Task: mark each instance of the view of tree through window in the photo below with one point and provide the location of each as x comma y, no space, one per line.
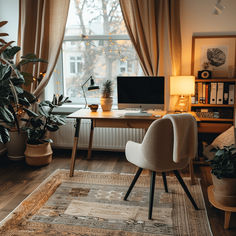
96,43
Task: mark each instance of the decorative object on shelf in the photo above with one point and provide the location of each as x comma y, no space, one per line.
205,73
93,107
218,52
183,86
224,175
92,86
106,99
38,126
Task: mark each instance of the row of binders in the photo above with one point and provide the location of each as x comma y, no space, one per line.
214,93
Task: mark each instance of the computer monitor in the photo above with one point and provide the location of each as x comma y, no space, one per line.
143,92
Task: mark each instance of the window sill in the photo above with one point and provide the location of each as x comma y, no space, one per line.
67,109
70,108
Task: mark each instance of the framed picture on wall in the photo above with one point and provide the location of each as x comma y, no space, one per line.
215,54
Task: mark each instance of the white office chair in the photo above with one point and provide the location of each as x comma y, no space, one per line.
168,145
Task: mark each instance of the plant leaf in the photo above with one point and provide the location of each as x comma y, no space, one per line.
30,113
2,23
4,135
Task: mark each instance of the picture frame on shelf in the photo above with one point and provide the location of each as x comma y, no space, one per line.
215,54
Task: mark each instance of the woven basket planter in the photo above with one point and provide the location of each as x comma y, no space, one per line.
38,155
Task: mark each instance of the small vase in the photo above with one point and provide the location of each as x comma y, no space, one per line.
38,155
106,103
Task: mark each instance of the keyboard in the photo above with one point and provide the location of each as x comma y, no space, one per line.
137,114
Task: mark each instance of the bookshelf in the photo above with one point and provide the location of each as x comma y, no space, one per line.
215,117
214,114
221,115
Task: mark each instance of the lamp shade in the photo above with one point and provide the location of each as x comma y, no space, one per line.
182,85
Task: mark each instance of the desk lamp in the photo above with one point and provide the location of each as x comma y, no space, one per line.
91,87
183,86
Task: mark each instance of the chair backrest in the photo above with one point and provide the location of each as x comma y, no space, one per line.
157,146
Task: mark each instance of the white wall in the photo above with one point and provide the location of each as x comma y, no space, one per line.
9,11
197,18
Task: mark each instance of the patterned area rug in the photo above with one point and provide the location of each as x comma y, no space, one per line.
91,203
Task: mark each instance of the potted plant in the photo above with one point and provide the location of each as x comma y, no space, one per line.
106,99
13,98
224,175
38,125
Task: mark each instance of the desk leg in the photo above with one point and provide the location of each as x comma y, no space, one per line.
90,139
191,171
76,138
227,219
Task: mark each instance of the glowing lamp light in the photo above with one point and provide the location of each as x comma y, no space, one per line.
183,86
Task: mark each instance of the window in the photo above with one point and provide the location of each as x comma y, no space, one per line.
75,65
96,43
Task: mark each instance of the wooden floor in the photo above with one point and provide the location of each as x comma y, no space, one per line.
17,180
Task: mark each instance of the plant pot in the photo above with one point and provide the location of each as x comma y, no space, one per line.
38,155
224,190
106,103
16,146
3,149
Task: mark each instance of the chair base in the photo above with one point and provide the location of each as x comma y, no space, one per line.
152,188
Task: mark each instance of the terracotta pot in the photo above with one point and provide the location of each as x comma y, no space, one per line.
38,155
106,103
16,146
224,190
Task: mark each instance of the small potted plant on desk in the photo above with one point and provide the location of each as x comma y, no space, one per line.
224,176
106,99
38,148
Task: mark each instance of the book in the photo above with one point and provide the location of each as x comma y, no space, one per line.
206,98
203,92
196,93
200,96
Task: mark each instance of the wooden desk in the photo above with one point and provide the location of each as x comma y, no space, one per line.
112,119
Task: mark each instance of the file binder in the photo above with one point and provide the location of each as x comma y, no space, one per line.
231,93
213,93
226,94
220,91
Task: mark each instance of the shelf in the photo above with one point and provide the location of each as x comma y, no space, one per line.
216,80
216,119
212,105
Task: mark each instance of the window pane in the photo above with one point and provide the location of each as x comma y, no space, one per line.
101,48
72,67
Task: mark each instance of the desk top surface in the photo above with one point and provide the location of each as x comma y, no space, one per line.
116,114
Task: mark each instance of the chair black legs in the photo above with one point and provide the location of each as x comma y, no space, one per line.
133,183
185,189
164,181
152,188
151,194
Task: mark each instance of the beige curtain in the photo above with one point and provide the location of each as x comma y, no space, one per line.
154,29
41,31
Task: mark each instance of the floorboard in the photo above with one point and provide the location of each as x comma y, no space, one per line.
17,180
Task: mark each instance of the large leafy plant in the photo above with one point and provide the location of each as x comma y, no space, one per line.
44,121
14,100
224,163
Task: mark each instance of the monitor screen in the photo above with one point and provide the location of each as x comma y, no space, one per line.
143,92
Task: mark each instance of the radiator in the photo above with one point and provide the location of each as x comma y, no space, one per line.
112,139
